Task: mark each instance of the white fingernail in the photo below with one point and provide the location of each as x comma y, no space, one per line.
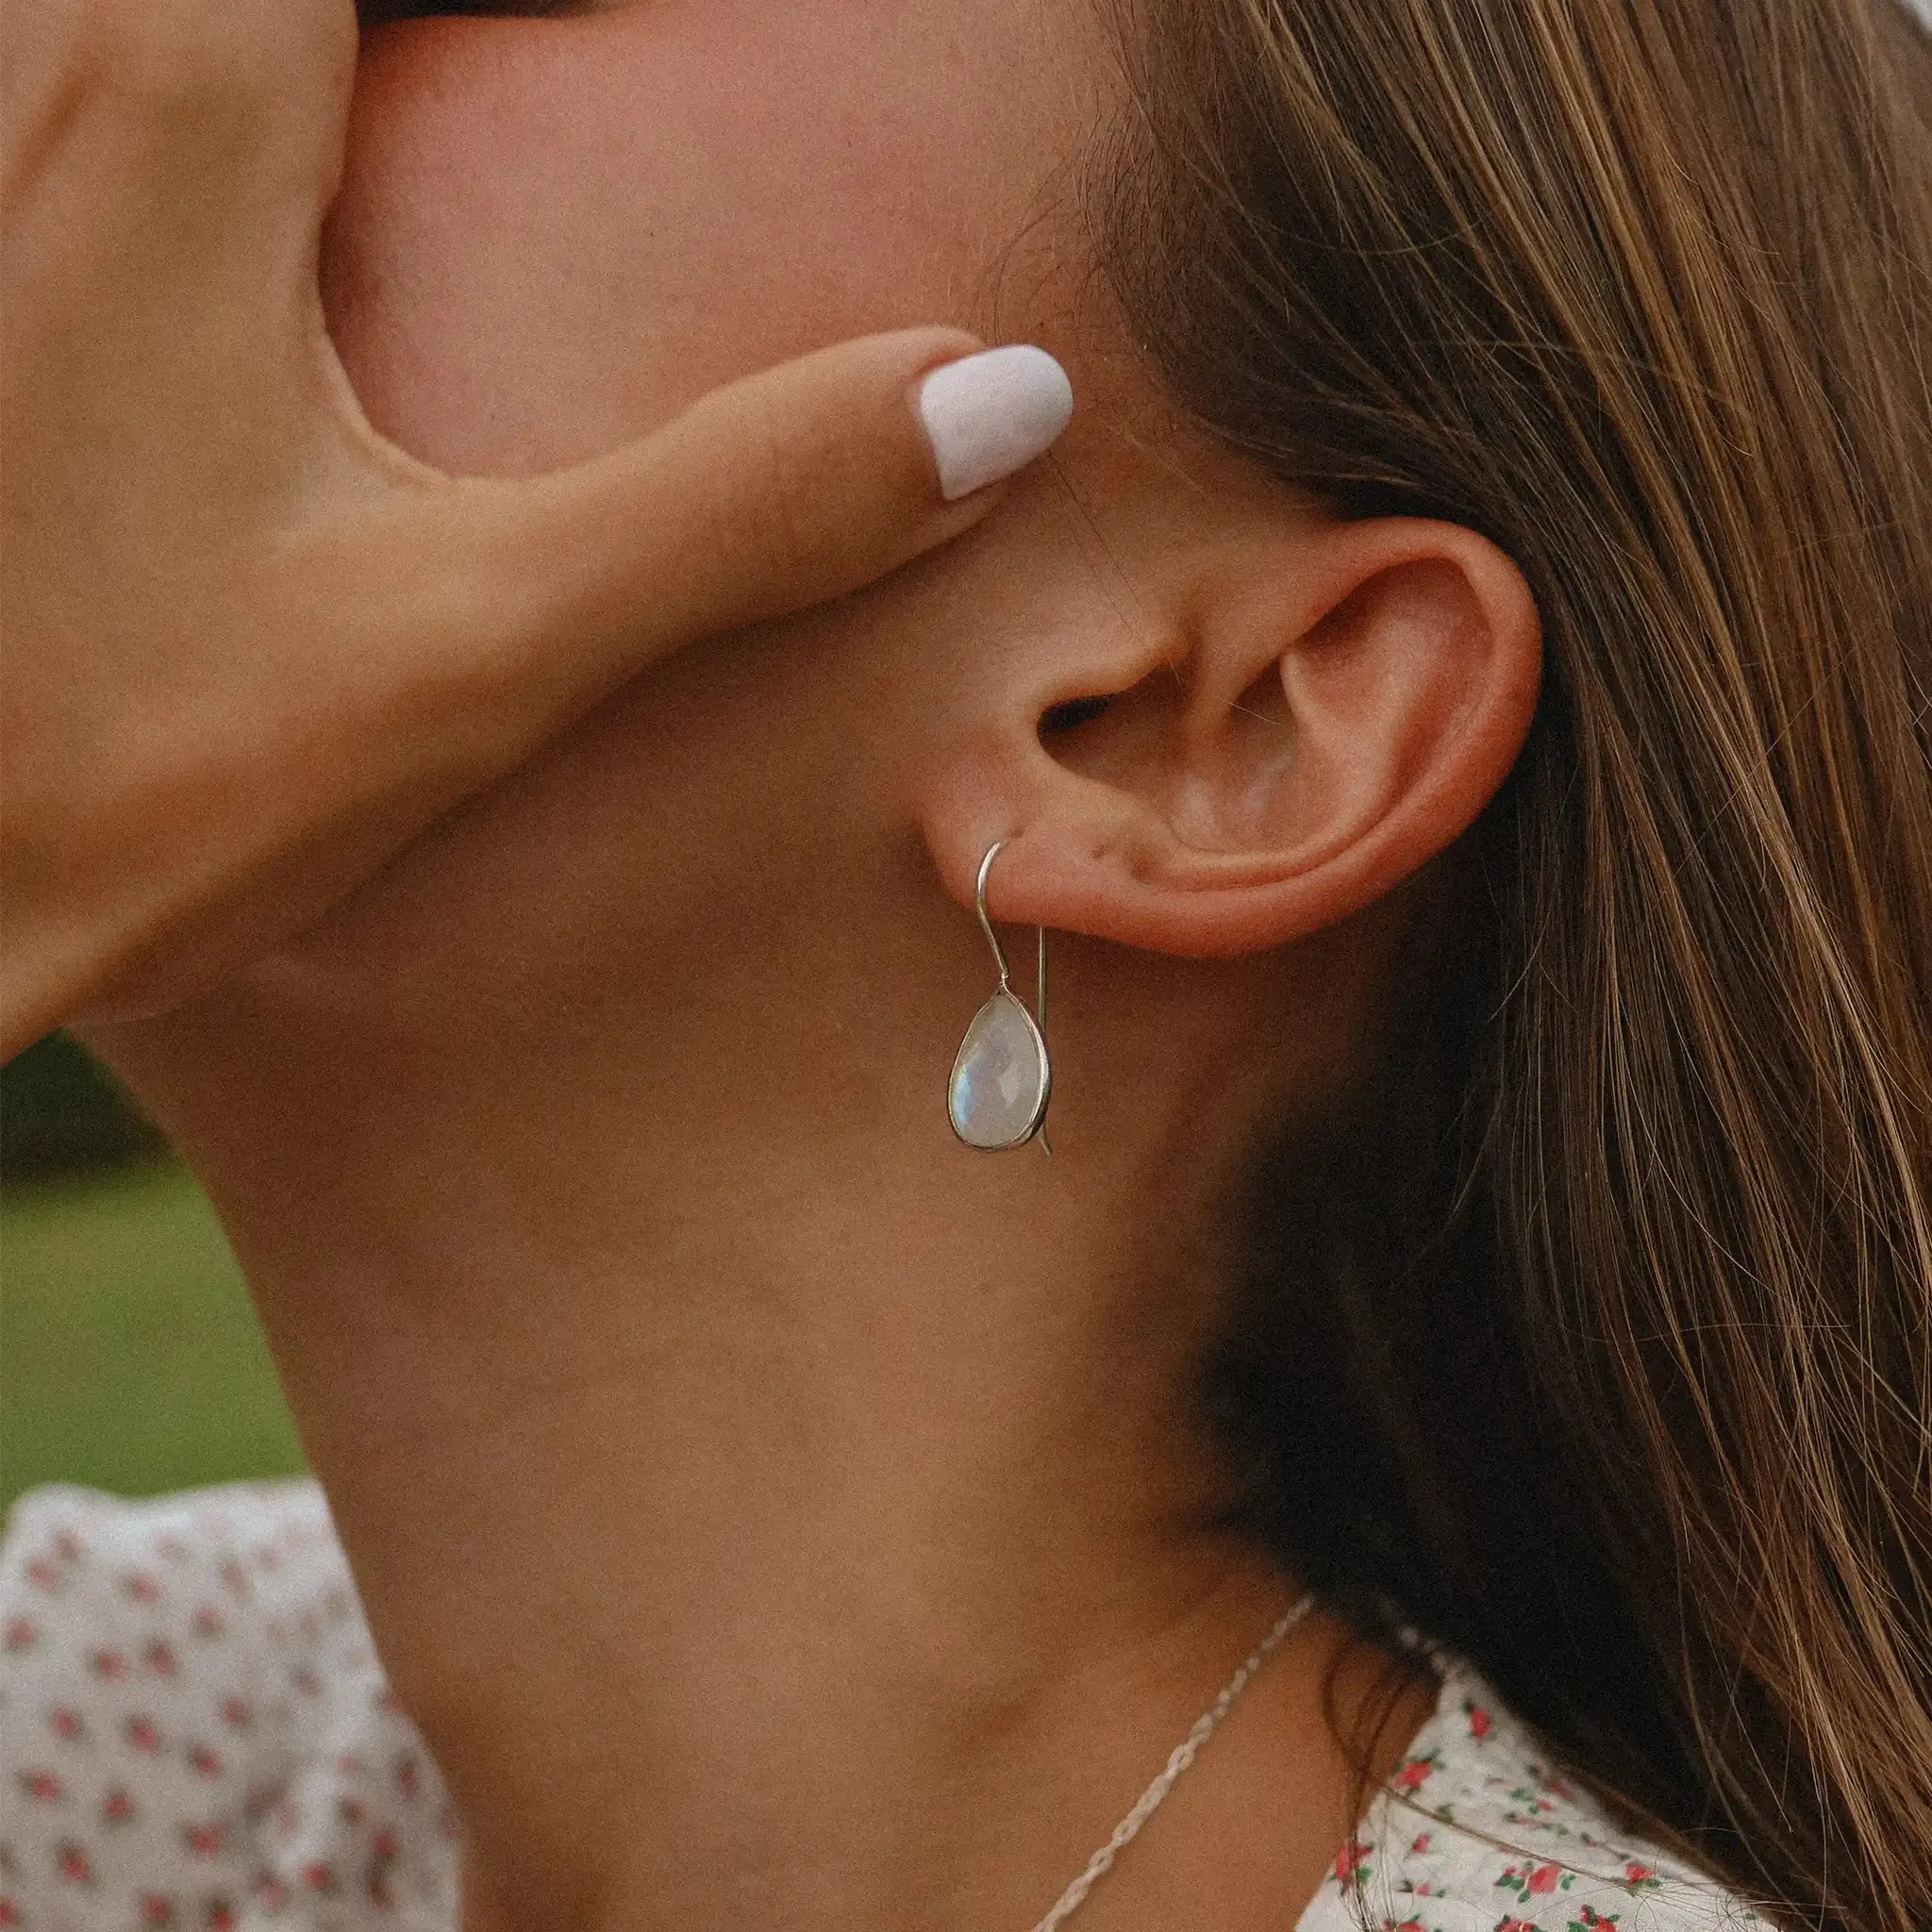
990,414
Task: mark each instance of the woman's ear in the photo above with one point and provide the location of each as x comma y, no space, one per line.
1336,706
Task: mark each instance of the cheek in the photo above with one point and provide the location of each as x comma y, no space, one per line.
553,233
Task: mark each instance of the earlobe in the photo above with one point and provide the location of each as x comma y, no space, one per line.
1351,699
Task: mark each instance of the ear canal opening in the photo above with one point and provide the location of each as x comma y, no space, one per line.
1070,714
1126,737
381,12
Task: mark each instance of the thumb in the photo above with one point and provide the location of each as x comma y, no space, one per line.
782,489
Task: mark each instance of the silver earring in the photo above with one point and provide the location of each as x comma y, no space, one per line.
1002,1079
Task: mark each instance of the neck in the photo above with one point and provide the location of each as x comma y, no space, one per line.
768,1522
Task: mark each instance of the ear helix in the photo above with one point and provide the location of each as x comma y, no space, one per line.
1002,1077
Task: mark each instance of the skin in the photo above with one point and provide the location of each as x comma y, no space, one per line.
254,646
771,1512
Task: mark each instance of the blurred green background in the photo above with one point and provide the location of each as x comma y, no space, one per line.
129,1355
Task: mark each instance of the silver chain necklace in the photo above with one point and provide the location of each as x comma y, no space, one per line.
1179,1759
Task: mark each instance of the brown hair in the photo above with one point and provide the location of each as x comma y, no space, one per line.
1602,1350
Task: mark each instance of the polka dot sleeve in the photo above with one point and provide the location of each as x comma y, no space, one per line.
194,1732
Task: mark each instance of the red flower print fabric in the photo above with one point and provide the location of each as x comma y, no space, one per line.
1475,1831
196,1734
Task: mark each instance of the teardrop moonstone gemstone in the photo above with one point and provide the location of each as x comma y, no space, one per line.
1000,1080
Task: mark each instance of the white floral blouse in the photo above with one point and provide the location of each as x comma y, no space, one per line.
195,1735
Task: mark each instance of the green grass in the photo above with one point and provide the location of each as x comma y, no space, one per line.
129,1355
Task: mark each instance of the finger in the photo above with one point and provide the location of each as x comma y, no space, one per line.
783,489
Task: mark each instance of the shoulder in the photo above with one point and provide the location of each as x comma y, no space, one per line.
193,1723
1477,1831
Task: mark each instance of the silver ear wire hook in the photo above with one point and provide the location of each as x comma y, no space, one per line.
1040,999
1040,1015
1002,1077
992,938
